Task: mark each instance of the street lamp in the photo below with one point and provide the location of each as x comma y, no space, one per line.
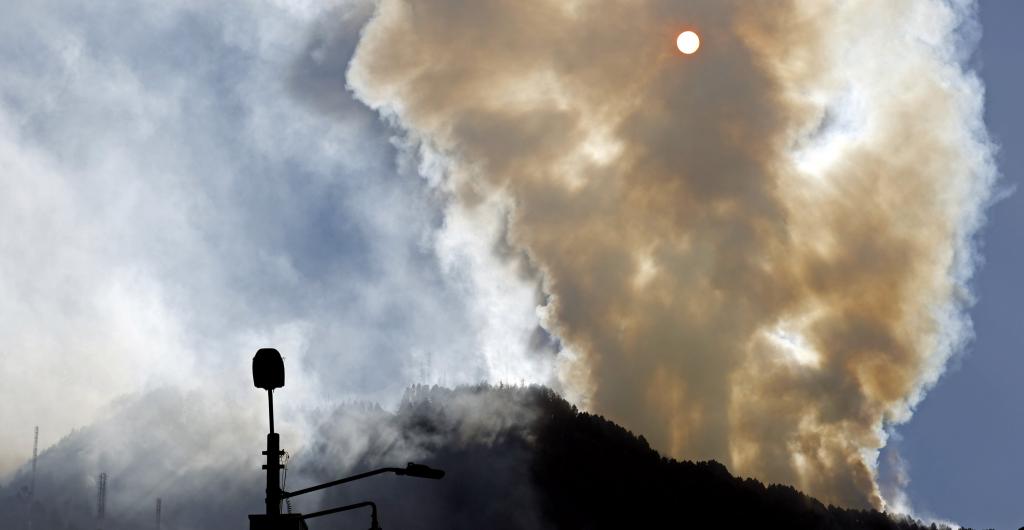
268,374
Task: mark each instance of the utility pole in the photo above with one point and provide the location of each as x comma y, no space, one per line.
35,455
101,500
158,503
32,484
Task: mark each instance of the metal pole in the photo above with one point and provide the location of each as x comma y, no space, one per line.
273,466
101,501
35,455
32,487
270,399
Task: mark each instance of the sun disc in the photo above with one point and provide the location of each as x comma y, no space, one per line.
688,42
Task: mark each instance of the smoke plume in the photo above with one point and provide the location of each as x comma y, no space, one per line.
758,253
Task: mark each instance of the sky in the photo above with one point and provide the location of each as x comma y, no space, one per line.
963,444
399,199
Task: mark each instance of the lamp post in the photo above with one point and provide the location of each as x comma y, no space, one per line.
268,374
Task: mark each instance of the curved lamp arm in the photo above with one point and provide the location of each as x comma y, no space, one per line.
410,470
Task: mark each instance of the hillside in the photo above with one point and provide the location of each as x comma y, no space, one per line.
516,458
591,473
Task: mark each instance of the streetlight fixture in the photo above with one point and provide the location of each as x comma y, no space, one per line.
410,470
268,374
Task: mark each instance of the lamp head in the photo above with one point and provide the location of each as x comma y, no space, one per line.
268,369
421,471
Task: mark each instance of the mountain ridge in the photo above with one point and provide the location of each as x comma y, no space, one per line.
516,457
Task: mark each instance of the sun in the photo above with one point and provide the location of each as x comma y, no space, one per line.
688,42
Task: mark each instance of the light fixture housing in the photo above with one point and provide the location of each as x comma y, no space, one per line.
268,369
420,471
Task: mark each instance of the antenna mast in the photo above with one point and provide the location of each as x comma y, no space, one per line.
32,484
158,503
101,500
35,455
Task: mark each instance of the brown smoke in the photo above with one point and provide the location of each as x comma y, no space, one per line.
758,251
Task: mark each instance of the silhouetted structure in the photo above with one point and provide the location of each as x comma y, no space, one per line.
268,374
101,500
32,485
158,508
35,457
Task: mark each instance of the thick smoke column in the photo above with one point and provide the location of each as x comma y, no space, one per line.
758,253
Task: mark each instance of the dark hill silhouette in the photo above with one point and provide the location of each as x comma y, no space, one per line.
517,458
591,473
586,473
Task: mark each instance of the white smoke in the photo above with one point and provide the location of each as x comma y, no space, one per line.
187,182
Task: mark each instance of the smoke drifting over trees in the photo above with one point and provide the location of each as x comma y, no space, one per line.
756,254
517,458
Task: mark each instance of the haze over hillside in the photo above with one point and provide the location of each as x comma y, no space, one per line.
516,457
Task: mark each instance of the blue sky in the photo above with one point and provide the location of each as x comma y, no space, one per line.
963,444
